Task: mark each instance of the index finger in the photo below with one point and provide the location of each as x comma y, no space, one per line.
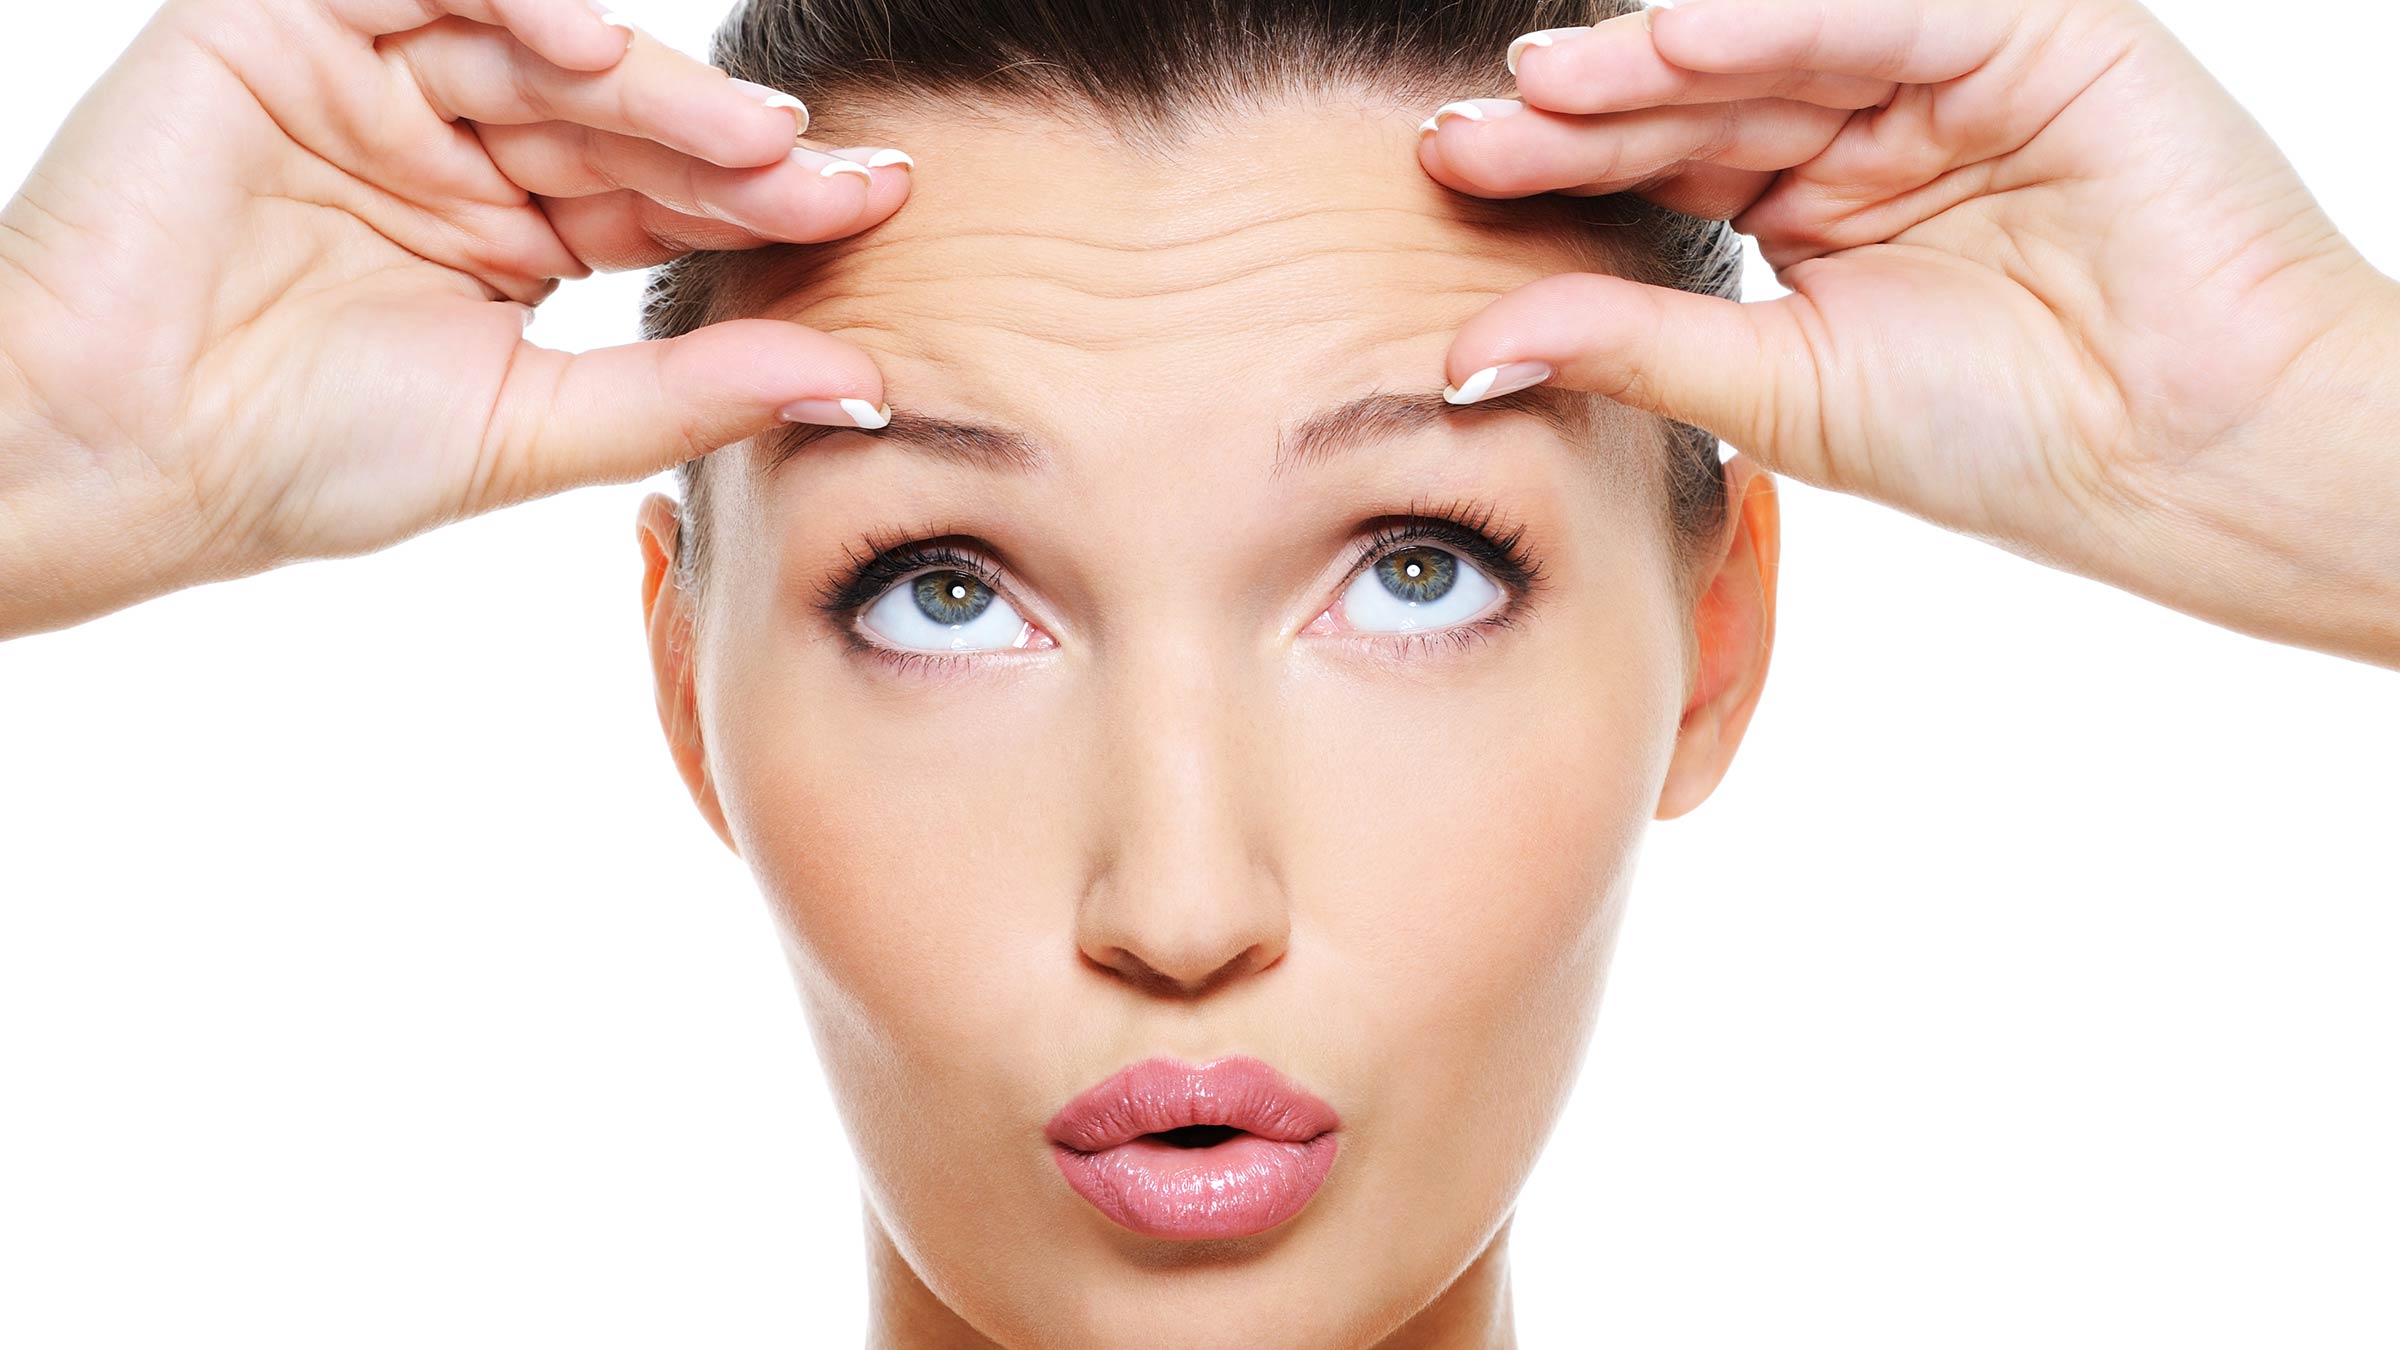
1615,66
575,34
1908,41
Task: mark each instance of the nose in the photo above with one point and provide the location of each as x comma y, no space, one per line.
1186,898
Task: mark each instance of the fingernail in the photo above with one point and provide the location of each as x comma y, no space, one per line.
1472,109
828,165
1493,381
838,412
875,157
776,98
612,19
1537,39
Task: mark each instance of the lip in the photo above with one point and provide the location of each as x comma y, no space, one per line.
1246,1184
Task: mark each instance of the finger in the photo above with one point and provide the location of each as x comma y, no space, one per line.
808,195
1909,41
622,231
1708,191
1742,371
483,74
1513,151
576,34
1614,65
616,414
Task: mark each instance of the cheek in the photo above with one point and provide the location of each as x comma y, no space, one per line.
1476,845
1475,857
882,827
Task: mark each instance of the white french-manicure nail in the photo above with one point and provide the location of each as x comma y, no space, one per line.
838,412
612,19
1536,39
1474,110
776,98
874,157
1493,381
827,164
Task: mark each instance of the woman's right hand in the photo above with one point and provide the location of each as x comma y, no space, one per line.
264,295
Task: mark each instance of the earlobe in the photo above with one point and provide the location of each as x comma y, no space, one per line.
667,621
1733,624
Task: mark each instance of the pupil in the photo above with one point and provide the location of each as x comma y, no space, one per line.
951,597
1418,574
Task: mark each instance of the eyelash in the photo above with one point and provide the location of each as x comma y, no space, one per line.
1465,527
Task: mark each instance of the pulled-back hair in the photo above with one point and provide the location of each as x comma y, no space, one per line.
1150,73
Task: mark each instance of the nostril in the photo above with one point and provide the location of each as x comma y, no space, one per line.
1195,1136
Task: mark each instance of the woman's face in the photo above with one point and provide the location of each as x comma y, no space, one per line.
1156,763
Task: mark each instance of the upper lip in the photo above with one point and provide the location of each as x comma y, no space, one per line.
1166,1094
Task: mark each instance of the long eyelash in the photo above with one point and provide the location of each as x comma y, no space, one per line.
875,565
1465,526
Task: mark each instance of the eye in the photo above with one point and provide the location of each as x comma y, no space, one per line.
1417,587
945,610
1439,576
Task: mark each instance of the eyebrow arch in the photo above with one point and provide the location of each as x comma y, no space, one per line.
973,444
1344,428
1322,437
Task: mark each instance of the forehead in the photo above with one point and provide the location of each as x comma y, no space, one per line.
1287,252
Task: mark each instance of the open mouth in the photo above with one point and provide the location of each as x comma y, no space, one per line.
1190,1174
1195,1136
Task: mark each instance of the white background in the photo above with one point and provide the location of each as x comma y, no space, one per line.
367,979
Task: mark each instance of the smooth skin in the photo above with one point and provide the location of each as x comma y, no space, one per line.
2051,286
264,297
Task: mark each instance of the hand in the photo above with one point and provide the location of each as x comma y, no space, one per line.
2050,286
264,296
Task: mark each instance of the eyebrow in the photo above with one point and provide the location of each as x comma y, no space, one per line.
1323,437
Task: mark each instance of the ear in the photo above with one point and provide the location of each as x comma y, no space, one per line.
667,618
1733,629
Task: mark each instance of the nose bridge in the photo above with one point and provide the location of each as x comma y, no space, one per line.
1187,894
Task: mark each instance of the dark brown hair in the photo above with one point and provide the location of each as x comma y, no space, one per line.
1147,72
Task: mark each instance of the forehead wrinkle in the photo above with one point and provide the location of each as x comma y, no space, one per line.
937,322
884,237
880,280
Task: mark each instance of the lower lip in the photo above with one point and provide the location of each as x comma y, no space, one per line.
1245,1185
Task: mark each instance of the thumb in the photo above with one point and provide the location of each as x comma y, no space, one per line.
616,414
1741,371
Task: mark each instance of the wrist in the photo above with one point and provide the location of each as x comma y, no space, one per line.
2286,529
74,544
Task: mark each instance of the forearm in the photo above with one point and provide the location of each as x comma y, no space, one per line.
2290,530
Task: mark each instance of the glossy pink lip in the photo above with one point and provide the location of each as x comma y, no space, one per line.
1247,1183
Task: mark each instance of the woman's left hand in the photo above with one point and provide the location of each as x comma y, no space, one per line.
2051,286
